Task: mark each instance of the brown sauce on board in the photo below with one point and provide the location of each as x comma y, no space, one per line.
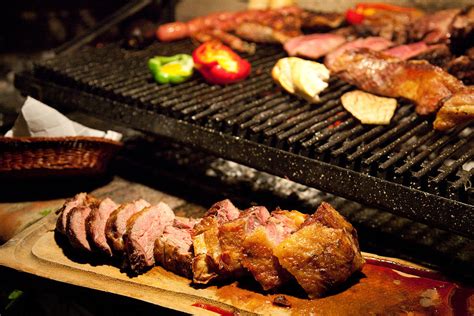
383,288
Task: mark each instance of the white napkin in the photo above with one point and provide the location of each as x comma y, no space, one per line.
36,119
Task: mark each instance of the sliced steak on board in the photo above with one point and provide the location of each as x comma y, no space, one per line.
205,242
78,200
116,225
143,229
323,253
173,250
95,225
76,226
232,234
258,248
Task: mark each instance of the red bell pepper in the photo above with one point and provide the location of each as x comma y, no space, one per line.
363,10
219,64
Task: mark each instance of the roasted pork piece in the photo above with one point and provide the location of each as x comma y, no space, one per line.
231,236
95,225
323,253
206,243
313,46
372,43
173,250
143,229
378,73
258,248
456,110
116,224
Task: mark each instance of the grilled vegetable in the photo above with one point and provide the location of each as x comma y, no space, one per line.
301,77
219,64
171,69
369,108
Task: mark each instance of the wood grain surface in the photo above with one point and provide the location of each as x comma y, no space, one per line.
379,289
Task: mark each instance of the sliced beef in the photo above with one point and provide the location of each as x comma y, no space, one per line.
258,248
143,229
314,45
173,250
76,226
323,253
372,43
232,235
206,243
116,224
95,225
407,51
78,200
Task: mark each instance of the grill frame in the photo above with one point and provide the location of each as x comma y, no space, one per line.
246,138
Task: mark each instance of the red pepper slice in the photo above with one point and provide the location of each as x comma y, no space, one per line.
362,10
219,64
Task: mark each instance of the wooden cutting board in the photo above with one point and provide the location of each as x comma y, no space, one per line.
385,286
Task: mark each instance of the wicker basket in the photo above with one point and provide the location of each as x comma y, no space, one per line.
47,156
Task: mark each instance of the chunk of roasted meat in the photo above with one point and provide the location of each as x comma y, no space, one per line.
427,85
433,28
456,110
258,248
323,253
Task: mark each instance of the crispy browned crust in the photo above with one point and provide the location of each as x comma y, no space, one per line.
323,253
456,110
171,259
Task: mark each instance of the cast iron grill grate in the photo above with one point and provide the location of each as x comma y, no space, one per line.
404,167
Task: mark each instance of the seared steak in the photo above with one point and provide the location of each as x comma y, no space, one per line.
78,200
76,226
232,235
95,225
258,248
173,250
117,223
206,243
143,229
323,253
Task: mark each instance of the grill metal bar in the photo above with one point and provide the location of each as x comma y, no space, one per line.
403,158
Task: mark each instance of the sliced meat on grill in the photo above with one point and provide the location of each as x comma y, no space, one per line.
456,110
231,236
433,28
173,250
438,55
323,253
372,43
116,225
462,68
95,225
407,51
78,200
206,243
76,226
377,73
143,229
314,45
258,248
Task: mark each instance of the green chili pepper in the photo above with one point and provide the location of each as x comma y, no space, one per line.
171,69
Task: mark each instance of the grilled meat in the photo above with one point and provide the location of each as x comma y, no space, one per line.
321,21
260,33
232,234
76,227
373,43
116,224
438,55
173,250
206,243
456,110
407,51
78,200
313,46
323,253
143,229
462,68
375,72
226,38
433,28
258,248
95,225
462,31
